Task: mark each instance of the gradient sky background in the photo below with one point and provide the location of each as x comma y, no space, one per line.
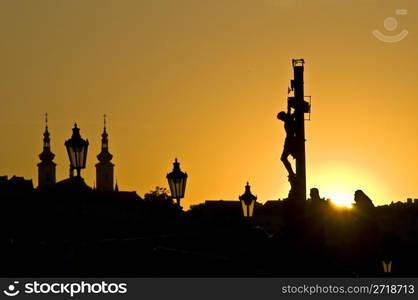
203,81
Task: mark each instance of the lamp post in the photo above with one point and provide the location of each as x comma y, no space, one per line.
248,202
77,150
387,266
177,182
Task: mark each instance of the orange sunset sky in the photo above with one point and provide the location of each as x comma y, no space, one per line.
203,81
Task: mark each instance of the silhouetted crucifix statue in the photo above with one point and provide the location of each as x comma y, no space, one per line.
289,147
294,125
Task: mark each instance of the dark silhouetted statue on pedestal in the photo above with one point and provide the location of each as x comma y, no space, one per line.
294,125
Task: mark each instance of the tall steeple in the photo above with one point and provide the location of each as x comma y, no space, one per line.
46,168
104,168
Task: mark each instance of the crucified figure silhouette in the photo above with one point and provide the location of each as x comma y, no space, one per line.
289,147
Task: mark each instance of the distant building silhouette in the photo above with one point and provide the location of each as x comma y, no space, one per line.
70,185
104,168
16,184
46,168
222,212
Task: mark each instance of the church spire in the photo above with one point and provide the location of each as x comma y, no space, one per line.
116,186
47,141
46,168
104,168
105,156
46,155
105,141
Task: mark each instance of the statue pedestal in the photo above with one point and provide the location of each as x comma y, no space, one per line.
295,212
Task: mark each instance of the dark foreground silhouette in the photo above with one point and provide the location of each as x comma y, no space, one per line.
72,230
68,229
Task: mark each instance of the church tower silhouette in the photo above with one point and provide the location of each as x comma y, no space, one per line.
104,168
46,168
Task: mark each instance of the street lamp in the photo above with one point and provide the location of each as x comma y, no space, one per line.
247,201
77,150
177,182
387,266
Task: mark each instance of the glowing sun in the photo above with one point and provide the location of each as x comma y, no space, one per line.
341,198
339,182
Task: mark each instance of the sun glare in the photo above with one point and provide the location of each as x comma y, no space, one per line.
341,198
339,183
